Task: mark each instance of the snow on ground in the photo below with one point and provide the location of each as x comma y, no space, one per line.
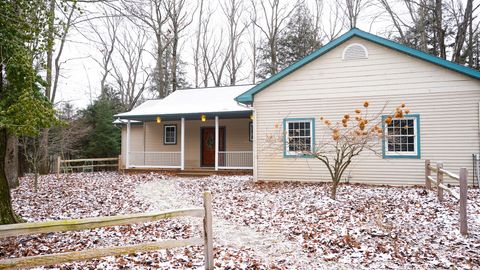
256,225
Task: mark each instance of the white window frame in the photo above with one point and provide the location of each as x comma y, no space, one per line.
165,134
416,144
287,122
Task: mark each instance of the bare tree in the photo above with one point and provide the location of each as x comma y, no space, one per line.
274,15
65,12
105,41
343,141
197,49
233,11
66,140
130,73
151,14
180,18
336,21
66,16
32,153
216,56
205,47
253,40
462,25
352,9
437,27
318,12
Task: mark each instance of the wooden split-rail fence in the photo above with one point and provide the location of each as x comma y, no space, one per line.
441,187
86,164
97,222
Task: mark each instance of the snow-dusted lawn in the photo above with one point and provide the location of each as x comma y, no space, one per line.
256,225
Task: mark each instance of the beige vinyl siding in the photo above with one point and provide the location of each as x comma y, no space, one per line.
447,102
236,131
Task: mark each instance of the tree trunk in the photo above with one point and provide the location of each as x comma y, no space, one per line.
50,43
11,161
44,167
462,34
6,212
174,62
333,191
273,57
35,180
160,79
440,31
196,59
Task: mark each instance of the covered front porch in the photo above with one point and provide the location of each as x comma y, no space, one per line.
219,143
190,129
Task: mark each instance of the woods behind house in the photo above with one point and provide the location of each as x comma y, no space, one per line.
151,48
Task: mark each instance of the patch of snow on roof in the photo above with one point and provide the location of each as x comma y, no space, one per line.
199,100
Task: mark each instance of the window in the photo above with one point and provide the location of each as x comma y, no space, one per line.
250,131
299,136
170,134
402,137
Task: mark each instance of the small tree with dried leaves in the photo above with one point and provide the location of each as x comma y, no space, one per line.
346,139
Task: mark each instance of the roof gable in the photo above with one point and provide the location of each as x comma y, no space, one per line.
247,97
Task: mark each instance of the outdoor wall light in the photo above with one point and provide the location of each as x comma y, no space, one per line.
204,118
251,116
159,120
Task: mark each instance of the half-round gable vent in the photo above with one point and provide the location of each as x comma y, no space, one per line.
355,51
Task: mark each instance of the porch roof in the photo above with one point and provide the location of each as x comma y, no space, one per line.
189,103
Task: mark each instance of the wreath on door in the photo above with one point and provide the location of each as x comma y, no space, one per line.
210,141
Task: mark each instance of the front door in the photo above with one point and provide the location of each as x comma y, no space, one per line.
208,145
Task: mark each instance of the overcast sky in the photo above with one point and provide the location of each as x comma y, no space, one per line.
80,80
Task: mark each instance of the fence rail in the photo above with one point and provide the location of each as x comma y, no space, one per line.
86,164
90,223
438,181
235,160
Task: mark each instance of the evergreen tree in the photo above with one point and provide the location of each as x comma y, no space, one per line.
265,66
299,38
104,138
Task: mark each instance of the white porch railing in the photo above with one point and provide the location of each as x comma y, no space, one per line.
235,160
154,159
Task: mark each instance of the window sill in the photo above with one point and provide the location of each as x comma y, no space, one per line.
417,156
298,156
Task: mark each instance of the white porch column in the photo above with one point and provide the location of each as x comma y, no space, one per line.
127,151
182,145
216,143
254,142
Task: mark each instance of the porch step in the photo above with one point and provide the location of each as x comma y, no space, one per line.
195,173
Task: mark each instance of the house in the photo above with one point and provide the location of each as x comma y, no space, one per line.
444,98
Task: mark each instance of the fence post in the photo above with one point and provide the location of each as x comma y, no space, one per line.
463,201
207,230
58,166
428,184
119,163
439,182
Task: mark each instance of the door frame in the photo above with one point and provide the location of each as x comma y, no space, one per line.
224,145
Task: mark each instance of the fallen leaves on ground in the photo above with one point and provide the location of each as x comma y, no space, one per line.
367,227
